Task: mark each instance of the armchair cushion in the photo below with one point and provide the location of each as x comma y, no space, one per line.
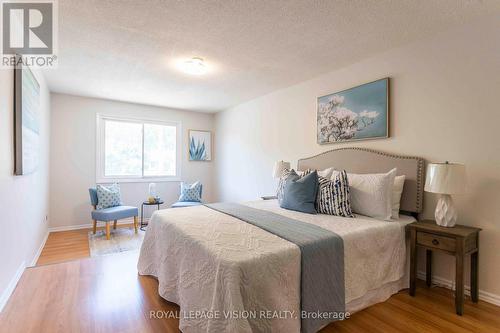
108,196
190,192
114,213
180,204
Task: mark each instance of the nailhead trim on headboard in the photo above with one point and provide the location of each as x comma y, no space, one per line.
420,168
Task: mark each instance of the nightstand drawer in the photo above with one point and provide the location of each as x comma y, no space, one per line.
435,241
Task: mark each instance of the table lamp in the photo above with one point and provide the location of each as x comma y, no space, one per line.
152,193
279,167
445,179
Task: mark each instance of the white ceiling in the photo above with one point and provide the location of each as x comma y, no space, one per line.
123,50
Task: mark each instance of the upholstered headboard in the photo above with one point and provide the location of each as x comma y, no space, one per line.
361,160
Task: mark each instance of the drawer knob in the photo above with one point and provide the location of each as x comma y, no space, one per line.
435,242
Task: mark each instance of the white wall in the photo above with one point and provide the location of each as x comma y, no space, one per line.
73,153
23,199
444,106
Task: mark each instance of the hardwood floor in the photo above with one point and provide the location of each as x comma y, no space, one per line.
68,245
431,310
65,245
102,294
105,294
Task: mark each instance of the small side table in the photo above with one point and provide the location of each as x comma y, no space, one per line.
458,241
147,203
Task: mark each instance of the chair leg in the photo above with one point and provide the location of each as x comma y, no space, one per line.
135,223
114,225
107,230
95,227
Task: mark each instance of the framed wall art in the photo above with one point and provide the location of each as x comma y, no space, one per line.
26,121
358,113
200,145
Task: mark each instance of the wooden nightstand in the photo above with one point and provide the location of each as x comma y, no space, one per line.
458,241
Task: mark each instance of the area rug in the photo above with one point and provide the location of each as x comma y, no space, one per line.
122,239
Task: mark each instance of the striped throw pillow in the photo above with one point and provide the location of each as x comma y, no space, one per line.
333,195
281,183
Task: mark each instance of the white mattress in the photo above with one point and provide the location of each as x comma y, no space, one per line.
213,263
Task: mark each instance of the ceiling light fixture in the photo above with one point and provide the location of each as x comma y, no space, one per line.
193,66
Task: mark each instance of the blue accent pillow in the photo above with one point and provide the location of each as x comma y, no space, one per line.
108,196
190,192
299,194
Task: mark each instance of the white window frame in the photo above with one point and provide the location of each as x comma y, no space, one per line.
100,150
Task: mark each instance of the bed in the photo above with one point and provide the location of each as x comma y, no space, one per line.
228,275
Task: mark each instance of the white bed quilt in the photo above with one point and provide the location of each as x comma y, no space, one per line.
224,273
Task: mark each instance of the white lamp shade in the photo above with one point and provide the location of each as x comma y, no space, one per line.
445,178
152,189
279,167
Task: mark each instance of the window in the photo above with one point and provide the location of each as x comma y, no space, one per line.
132,150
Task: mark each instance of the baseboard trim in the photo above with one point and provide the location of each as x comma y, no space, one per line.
40,249
448,284
11,286
89,225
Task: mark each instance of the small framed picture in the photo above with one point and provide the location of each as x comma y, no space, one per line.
200,145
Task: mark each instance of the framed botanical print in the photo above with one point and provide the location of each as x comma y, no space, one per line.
359,113
200,145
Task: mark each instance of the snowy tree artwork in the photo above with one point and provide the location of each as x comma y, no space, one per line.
358,113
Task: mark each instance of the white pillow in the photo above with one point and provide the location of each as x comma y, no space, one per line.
371,194
397,190
327,173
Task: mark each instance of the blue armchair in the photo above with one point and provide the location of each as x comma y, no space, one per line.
111,213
